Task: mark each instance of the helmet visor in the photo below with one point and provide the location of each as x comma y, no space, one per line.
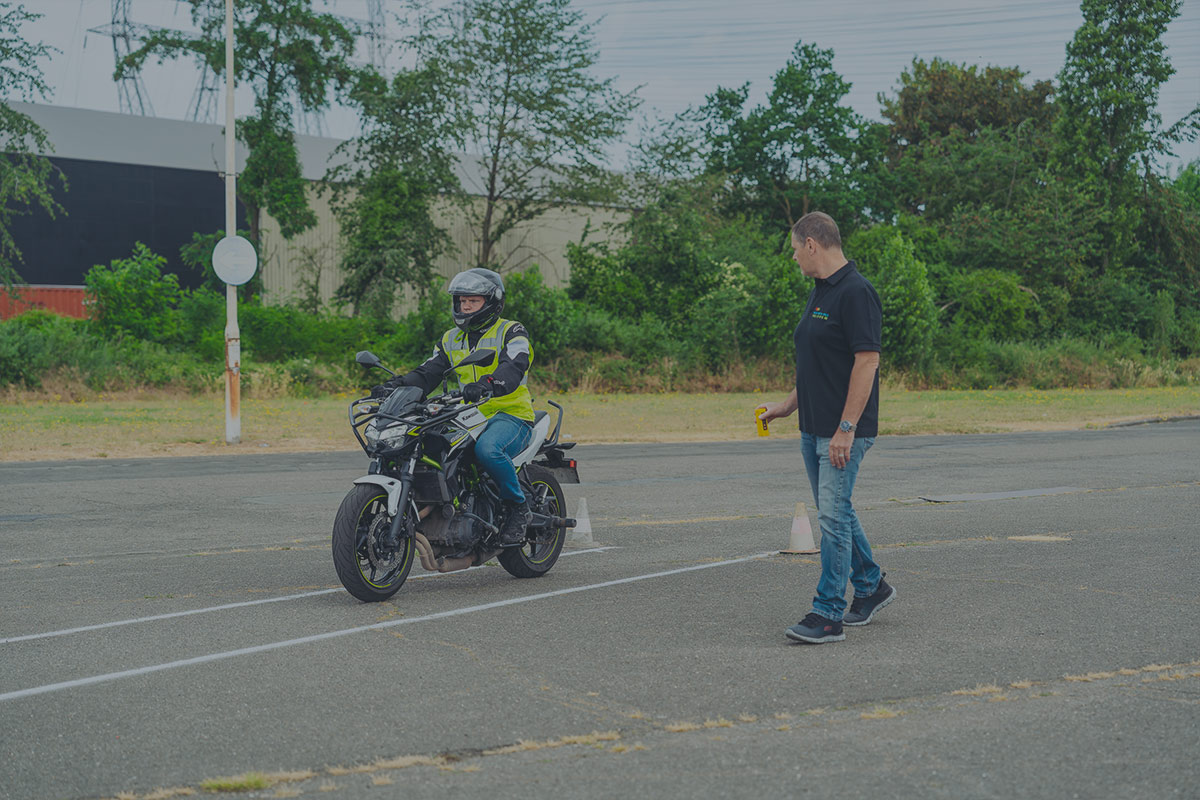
471,283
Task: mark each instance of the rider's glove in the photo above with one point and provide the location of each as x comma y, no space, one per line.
381,391
474,392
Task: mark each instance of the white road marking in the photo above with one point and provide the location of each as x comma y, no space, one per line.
173,615
320,637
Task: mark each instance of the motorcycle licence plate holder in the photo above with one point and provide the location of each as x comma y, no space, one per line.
563,473
566,474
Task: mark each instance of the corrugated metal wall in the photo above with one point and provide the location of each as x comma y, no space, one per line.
287,266
65,300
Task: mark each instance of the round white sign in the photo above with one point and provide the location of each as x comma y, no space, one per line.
234,260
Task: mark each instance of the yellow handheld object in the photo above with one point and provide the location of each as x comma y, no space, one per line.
759,423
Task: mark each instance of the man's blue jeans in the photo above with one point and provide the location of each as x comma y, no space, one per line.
503,437
845,553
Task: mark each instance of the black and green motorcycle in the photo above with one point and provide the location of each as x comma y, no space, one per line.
425,498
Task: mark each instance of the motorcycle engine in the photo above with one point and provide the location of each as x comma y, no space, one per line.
460,533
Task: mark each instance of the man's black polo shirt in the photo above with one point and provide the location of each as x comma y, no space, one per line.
843,317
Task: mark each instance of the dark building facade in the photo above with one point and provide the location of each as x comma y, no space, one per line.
129,179
109,206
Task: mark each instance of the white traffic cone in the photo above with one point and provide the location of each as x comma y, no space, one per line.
802,533
581,534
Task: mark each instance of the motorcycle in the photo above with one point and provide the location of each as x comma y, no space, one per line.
425,498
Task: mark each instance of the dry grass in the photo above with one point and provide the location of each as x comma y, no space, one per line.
979,691
879,713
40,426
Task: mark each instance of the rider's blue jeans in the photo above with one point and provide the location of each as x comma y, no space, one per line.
845,552
502,439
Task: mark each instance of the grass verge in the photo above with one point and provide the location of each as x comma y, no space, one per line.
136,425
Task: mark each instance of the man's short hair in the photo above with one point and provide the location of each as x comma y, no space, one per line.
818,226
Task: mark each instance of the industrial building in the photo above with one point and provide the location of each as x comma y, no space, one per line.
158,181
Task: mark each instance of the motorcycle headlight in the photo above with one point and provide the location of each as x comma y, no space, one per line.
392,436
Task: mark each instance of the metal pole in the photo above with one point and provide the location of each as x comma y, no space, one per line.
233,341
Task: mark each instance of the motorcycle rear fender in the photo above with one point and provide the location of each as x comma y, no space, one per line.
540,429
391,485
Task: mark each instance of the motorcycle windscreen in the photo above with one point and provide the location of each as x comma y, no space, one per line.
401,400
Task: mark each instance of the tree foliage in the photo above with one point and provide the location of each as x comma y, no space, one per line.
1109,128
27,178
132,296
940,98
385,195
1019,233
909,316
292,57
795,153
533,116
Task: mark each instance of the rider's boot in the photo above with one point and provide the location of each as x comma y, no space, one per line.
517,517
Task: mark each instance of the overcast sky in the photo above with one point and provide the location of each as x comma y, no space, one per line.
676,50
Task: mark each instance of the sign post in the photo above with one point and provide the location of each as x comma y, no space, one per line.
233,259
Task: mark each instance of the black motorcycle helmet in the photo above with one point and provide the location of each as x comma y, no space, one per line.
481,282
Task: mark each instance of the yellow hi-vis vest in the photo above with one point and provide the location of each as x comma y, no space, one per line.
519,402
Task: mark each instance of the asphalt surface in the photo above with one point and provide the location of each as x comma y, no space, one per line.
1065,663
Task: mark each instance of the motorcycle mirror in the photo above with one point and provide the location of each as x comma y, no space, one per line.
369,360
478,358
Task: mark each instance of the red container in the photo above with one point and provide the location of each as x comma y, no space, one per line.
65,300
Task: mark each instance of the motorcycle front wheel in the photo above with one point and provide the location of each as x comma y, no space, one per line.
535,558
370,568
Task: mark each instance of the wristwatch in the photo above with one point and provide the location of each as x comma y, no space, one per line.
847,426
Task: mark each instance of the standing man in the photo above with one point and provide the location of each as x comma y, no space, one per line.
837,394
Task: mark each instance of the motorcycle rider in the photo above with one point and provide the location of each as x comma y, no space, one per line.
477,299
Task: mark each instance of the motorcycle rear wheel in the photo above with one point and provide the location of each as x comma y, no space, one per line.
535,558
370,570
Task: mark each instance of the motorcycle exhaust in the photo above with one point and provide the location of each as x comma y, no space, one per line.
434,563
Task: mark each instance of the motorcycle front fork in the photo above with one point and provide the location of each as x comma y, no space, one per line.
406,479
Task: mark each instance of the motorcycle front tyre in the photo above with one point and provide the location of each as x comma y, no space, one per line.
369,571
535,558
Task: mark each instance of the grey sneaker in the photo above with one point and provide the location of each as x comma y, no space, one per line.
863,609
816,629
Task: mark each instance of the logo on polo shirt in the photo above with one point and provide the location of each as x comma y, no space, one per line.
819,314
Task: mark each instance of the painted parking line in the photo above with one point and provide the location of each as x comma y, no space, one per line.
320,637
227,606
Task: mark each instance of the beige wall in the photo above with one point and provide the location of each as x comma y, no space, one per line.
288,265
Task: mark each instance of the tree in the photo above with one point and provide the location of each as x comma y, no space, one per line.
535,119
291,57
26,178
1108,126
938,116
796,153
940,98
384,196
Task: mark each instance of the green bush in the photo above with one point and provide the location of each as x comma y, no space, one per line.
548,314
909,315
31,344
1111,303
989,304
132,297
37,344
